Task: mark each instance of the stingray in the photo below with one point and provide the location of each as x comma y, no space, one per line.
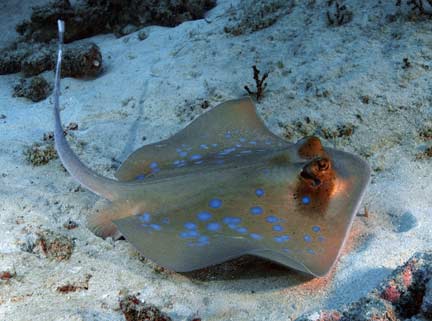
223,187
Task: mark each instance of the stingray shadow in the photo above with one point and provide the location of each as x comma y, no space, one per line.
358,286
241,271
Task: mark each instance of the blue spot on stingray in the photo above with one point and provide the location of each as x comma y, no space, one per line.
145,217
266,171
256,236
203,240
252,142
307,238
179,163
156,227
213,226
188,234
199,162
310,251
140,177
277,228
165,220
182,153
153,165
321,239
305,200
227,151
256,210
316,229
228,134
281,238
242,139
272,219
259,192
203,146
215,203
190,226
215,145
241,230
195,157
231,220
204,216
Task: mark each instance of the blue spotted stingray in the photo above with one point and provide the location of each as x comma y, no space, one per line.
223,187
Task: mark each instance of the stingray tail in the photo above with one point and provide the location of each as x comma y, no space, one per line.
100,185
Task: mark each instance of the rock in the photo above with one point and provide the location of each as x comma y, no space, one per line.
35,88
46,243
142,35
79,60
135,310
40,153
405,295
87,18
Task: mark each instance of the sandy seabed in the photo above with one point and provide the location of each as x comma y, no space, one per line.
321,77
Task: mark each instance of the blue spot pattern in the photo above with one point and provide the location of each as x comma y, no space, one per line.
213,226
307,238
256,210
215,203
140,177
181,153
145,217
281,238
156,227
203,240
316,229
195,157
190,226
165,220
277,228
256,236
305,200
241,230
204,216
259,192
179,163
272,219
188,234
231,220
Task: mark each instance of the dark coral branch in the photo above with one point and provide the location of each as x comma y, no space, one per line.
260,84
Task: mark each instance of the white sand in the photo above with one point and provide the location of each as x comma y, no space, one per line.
175,68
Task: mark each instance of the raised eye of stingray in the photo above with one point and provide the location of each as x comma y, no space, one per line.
316,171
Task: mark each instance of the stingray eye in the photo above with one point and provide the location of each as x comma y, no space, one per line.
315,171
323,164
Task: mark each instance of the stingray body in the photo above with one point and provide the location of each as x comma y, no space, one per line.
223,187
